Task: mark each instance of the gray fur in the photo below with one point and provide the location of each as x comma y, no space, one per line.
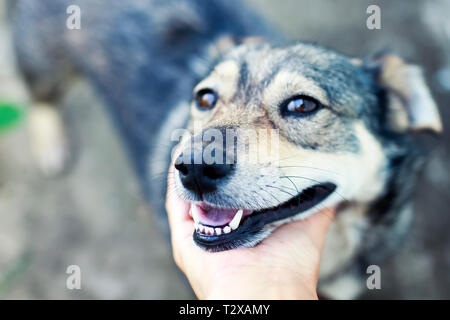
144,58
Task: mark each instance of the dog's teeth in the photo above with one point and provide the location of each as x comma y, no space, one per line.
195,213
233,225
236,220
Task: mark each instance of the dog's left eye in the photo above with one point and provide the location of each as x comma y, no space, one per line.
299,105
206,99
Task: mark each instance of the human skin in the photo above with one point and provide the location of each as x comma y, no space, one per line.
283,266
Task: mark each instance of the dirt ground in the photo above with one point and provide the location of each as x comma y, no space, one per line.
93,216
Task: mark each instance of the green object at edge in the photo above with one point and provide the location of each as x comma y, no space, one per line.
10,115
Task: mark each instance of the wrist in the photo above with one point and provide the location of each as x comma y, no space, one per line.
261,288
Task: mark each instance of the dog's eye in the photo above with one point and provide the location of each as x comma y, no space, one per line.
299,105
206,99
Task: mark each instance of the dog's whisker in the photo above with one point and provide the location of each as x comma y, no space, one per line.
295,186
277,200
309,167
314,180
281,190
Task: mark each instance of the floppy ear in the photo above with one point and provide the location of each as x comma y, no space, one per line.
411,106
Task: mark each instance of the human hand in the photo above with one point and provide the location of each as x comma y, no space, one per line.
283,266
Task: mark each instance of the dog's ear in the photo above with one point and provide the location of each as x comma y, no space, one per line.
410,104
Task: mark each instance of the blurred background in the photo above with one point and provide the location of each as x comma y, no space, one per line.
94,216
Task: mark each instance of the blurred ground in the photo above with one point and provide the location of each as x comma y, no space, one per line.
94,216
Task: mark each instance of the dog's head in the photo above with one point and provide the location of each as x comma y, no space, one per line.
287,131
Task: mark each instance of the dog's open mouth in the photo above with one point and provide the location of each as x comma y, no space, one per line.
218,229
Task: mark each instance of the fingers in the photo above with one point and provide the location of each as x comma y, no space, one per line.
308,233
177,209
178,213
317,226
181,225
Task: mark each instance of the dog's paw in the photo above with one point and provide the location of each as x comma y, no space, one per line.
48,139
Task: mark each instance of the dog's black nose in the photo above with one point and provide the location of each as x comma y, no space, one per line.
202,178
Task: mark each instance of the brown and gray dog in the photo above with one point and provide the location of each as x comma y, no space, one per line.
346,129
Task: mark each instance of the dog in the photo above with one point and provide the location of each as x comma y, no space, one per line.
347,130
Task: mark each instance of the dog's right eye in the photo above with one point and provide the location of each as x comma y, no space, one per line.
205,99
299,105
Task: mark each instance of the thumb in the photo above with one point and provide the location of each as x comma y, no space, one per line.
316,226
310,232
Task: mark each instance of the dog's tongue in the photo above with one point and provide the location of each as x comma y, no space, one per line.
213,216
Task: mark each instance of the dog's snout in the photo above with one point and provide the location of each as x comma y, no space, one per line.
216,171
201,177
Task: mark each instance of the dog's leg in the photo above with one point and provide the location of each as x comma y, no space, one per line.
48,138
47,70
48,135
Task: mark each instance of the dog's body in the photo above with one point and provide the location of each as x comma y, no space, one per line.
145,57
